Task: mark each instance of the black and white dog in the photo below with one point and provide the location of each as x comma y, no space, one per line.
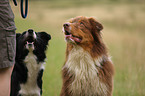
29,66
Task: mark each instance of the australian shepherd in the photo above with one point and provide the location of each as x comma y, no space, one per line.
30,59
88,70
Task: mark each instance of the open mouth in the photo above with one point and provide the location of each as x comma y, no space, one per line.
29,40
71,37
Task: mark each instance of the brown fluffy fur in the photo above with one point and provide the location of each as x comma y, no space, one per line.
89,31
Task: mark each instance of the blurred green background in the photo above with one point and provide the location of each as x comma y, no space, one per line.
124,35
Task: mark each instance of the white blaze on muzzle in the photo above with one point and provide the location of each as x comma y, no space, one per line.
30,39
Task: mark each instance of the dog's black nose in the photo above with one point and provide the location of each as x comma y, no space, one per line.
30,31
65,25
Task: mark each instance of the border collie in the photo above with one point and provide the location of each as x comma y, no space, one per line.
88,70
26,79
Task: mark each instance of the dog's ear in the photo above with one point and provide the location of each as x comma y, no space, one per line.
17,35
95,24
96,27
45,36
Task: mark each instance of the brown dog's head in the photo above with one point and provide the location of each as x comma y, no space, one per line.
81,30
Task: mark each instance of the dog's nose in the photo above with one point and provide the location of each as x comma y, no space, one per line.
65,25
30,31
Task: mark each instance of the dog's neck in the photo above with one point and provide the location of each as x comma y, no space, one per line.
94,49
85,70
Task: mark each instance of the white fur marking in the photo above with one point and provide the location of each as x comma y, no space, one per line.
84,67
30,87
70,39
34,35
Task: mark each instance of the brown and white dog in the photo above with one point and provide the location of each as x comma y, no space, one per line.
88,70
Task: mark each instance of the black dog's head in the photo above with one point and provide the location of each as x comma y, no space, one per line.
31,41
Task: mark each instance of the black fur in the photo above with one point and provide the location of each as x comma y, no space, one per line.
20,71
39,80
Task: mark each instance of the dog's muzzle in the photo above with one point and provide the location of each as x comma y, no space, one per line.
30,39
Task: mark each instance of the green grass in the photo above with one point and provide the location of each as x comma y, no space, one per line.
123,34
54,63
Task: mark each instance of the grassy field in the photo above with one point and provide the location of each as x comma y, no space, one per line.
124,26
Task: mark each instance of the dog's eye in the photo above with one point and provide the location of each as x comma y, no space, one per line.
81,23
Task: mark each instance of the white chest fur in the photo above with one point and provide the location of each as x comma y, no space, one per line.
81,64
30,88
